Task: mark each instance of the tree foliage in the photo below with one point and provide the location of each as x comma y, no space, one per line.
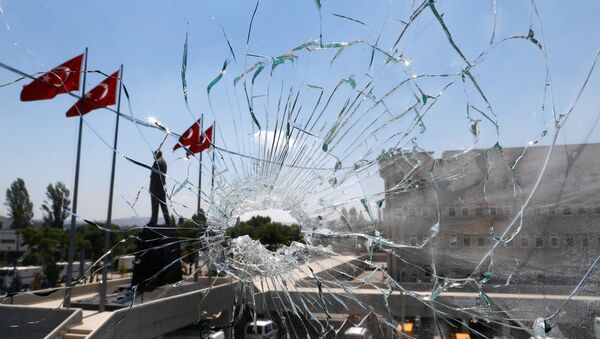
20,207
56,207
271,234
47,246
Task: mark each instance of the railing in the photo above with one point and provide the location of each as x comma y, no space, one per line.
158,317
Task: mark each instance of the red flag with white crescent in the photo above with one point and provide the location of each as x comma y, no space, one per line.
194,140
190,136
103,95
204,144
62,79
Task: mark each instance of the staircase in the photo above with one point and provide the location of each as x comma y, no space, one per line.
77,332
90,321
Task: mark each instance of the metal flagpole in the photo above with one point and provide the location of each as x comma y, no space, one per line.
71,253
107,259
196,256
212,182
200,172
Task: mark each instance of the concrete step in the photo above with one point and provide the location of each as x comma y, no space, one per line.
78,330
74,336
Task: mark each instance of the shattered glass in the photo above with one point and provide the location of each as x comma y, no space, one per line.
441,159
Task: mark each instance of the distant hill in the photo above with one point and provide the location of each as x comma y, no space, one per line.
131,221
6,222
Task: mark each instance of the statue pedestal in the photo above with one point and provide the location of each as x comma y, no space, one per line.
157,262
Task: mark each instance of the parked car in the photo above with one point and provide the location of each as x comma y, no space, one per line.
261,329
213,335
357,333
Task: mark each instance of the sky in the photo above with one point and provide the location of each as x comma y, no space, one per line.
148,38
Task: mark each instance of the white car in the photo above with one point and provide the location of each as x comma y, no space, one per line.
357,333
213,335
261,329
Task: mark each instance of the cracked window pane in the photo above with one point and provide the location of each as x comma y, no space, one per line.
428,168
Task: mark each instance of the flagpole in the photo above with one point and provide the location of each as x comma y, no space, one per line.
107,259
212,182
71,253
196,256
200,171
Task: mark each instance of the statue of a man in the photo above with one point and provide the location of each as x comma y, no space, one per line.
157,189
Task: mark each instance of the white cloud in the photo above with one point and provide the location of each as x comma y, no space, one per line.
259,137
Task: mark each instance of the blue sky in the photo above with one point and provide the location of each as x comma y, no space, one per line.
147,37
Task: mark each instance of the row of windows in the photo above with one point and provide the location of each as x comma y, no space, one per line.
506,210
524,240
467,240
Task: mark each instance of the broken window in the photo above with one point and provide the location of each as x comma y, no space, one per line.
375,125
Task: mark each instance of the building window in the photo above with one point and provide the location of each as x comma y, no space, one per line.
467,240
453,240
581,210
551,211
479,211
507,210
567,211
539,241
584,240
492,210
452,211
413,240
597,209
524,241
7,241
480,241
411,212
569,239
554,240
465,211
425,211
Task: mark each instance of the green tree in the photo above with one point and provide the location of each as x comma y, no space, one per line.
56,208
47,246
20,207
271,234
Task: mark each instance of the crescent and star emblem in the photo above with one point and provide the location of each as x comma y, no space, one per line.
189,134
58,72
104,93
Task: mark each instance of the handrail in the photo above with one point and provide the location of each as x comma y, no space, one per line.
176,311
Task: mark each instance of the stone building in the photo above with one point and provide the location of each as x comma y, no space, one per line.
475,197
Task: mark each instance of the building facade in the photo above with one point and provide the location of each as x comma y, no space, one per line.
549,228
9,241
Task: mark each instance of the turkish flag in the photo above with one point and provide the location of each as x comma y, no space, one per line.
62,79
193,140
190,136
204,144
105,94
